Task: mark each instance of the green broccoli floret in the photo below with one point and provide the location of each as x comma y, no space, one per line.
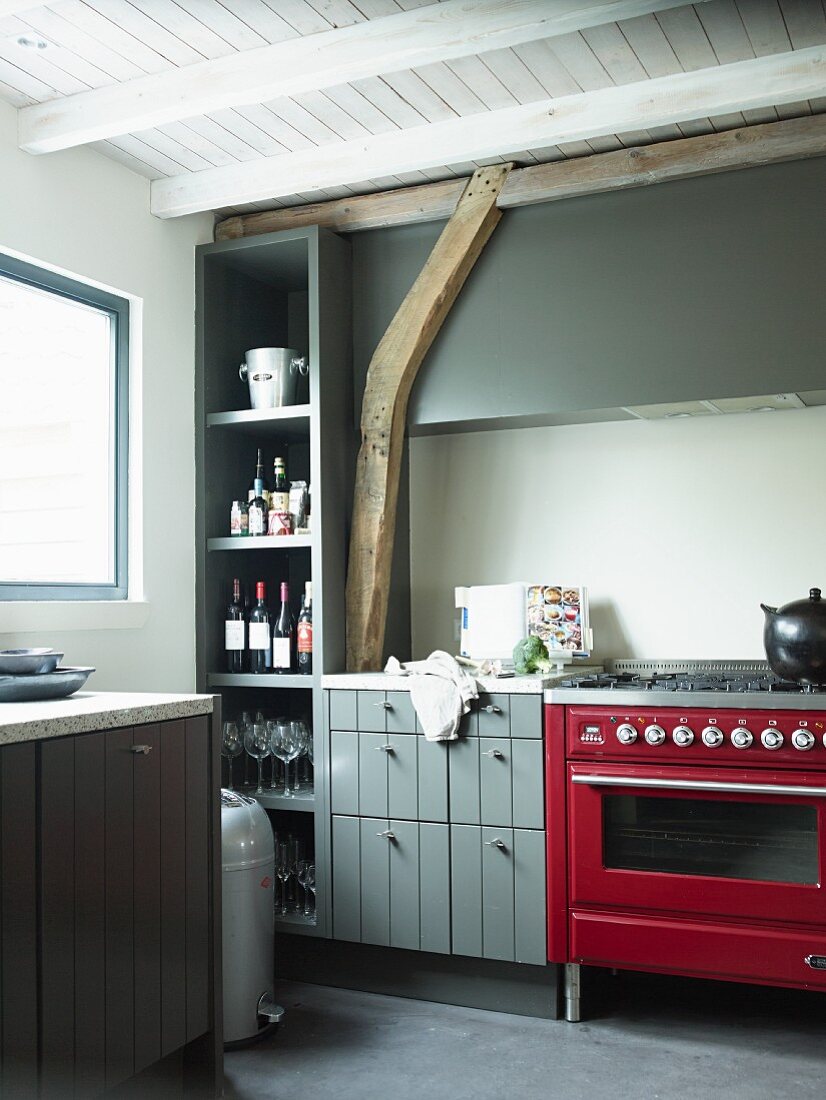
530,655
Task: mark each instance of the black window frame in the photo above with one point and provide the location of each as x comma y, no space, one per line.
118,308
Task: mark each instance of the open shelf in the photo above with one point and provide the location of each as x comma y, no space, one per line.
261,542
302,801
287,421
296,922
258,680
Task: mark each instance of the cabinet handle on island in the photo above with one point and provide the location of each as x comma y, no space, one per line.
491,708
145,749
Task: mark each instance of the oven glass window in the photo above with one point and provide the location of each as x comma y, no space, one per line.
695,836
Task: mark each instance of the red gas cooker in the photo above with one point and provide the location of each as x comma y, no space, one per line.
687,833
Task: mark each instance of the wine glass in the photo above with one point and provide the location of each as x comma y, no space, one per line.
305,871
257,744
283,870
243,722
301,732
284,744
232,744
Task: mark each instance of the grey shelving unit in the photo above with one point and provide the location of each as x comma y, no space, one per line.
289,289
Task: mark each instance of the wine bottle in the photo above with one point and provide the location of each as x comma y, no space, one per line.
305,632
259,630
235,630
283,635
259,501
280,496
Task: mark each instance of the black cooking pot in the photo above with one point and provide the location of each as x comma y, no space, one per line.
795,639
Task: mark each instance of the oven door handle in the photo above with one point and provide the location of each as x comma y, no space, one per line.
698,785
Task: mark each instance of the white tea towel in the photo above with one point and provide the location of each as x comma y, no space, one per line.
440,691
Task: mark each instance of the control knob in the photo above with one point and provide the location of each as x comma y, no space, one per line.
683,736
771,739
626,734
803,740
742,738
654,735
712,736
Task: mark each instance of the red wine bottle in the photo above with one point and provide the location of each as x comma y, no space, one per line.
235,630
259,631
283,635
305,632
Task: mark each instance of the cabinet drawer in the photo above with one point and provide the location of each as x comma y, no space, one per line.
526,716
391,883
388,775
494,714
372,708
497,781
343,710
498,893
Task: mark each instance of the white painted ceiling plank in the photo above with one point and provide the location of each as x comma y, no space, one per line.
276,127
190,30
16,7
256,137
262,19
300,15
109,149
421,97
114,37
725,31
778,79
53,26
767,32
351,100
13,96
254,75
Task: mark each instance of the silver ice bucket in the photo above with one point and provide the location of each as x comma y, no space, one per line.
272,374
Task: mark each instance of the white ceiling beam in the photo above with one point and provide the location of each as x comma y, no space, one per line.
762,82
15,7
438,32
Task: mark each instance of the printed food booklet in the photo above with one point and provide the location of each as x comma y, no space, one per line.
558,614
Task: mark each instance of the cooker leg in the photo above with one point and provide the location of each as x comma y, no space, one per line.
572,993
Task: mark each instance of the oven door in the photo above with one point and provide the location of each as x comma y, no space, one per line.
711,842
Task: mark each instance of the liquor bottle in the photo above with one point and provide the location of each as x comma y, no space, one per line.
305,631
259,501
259,631
235,630
283,635
280,496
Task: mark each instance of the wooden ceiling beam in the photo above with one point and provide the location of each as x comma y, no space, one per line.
759,82
438,32
746,147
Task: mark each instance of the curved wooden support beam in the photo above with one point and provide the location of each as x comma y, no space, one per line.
390,378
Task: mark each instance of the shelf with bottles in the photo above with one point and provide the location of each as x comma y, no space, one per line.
259,491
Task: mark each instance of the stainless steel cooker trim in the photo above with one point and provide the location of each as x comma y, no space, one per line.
623,701
698,785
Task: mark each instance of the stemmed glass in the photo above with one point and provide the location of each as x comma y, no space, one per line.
305,871
257,744
243,722
283,744
283,870
232,745
301,732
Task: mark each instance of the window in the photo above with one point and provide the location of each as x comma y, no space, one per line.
63,437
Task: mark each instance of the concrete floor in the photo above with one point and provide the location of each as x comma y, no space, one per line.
648,1037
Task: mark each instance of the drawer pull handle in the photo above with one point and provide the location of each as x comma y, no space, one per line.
492,709
500,844
384,748
145,749
387,834
385,704
494,754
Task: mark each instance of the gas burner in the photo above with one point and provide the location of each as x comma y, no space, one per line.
732,682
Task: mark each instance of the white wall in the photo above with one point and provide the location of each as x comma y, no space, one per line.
679,528
84,213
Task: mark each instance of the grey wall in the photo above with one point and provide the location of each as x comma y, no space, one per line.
704,288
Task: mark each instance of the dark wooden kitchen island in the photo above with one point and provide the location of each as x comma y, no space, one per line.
110,897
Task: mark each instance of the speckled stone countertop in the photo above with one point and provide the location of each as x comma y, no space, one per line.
94,710
507,685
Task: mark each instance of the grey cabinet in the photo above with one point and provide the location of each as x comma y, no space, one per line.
391,883
438,846
498,893
109,907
